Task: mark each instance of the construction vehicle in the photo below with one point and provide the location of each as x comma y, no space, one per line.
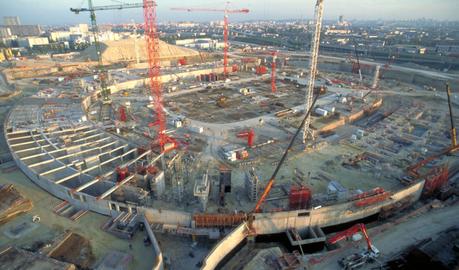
225,11
357,259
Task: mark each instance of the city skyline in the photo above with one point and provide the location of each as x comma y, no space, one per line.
259,10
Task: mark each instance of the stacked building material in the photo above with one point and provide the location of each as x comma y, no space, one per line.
12,203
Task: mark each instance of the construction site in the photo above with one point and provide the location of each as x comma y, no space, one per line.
139,154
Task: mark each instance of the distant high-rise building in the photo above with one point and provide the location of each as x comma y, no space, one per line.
25,30
5,32
342,22
11,20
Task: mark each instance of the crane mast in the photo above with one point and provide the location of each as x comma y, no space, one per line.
152,40
453,129
165,142
226,12
225,42
308,133
105,91
273,72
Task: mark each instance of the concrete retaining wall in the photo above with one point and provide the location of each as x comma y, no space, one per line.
224,247
167,216
270,223
159,262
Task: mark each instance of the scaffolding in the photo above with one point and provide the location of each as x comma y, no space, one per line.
177,177
252,184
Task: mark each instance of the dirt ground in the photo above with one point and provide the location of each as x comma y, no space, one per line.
52,225
75,249
12,203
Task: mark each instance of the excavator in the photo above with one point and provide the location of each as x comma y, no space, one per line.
357,259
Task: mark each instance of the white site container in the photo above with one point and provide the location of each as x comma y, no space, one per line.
330,108
321,112
197,129
178,123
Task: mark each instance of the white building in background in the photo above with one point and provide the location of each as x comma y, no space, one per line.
5,32
81,28
200,43
104,36
186,24
59,36
29,42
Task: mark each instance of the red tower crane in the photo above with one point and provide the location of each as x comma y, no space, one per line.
262,69
225,11
165,142
273,72
250,135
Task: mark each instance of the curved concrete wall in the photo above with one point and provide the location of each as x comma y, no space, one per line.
224,247
159,263
278,222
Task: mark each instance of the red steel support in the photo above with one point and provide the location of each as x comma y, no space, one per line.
122,112
273,73
225,11
225,41
250,136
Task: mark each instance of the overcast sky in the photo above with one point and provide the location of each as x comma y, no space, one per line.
53,12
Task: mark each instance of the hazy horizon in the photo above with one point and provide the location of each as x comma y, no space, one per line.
55,12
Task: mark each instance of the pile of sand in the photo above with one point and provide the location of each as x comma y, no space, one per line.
124,50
